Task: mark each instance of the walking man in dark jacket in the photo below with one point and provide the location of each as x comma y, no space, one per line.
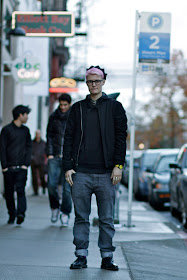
15,153
56,175
94,155
38,162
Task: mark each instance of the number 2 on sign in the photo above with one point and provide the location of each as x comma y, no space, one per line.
154,45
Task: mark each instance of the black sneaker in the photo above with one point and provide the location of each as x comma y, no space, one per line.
20,219
80,262
11,220
108,263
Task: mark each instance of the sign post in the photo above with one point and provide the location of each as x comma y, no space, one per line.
132,124
154,55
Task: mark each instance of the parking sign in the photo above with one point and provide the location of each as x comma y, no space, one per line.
154,38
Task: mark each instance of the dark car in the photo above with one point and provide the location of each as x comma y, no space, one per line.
158,179
144,163
178,186
124,179
125,171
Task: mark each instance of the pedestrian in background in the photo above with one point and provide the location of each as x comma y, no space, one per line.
56,175
94,155
38,163
15,151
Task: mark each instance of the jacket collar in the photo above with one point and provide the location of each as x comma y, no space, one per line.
62,116
103,97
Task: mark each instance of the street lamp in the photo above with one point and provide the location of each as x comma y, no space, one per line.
17,31
141,146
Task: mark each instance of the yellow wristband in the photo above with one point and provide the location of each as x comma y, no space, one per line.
120,166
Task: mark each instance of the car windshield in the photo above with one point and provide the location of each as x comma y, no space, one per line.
163,164
149,159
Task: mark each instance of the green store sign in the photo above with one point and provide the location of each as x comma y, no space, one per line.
26,70
46,24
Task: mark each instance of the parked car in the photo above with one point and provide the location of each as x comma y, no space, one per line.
125,171
144,163
178,186
124,179
158,179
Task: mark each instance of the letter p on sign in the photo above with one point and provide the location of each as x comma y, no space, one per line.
155,21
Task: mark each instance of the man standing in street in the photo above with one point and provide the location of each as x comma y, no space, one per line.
94,155
38,162
15,154
56,175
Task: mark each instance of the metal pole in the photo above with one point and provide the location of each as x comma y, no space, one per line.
132,123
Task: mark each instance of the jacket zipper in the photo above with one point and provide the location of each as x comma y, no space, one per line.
81,136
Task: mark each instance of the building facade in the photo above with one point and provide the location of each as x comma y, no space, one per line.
23,50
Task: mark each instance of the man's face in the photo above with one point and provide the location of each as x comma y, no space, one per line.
95,87
38,135
23,117
64,106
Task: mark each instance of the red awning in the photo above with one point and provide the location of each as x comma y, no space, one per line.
62,90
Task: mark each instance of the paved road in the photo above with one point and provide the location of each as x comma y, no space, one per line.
153,248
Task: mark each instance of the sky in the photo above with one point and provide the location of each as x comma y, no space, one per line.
110,40
115,23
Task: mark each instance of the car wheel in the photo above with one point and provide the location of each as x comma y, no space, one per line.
151,198
174,212
136,191
138,196
183,212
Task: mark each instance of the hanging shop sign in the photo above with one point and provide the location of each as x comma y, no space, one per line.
46,24
62,85
62,82
26,70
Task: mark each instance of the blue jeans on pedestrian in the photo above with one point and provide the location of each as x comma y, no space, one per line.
84,185
56,177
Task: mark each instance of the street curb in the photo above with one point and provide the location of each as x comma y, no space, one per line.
128,264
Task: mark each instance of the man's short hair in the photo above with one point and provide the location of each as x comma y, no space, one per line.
20,109
91,69
65,97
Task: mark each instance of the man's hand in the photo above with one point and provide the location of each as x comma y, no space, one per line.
116,175
24,167
68,176
51,156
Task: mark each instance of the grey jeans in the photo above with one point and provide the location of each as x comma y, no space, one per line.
84,185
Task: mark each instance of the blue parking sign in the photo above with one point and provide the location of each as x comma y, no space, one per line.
154,46
154,37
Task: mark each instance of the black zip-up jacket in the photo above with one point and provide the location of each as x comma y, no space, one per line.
55,132
15,146
113,124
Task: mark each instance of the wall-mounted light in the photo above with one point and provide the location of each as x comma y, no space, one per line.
17,31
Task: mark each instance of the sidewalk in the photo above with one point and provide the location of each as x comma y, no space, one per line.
151,249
